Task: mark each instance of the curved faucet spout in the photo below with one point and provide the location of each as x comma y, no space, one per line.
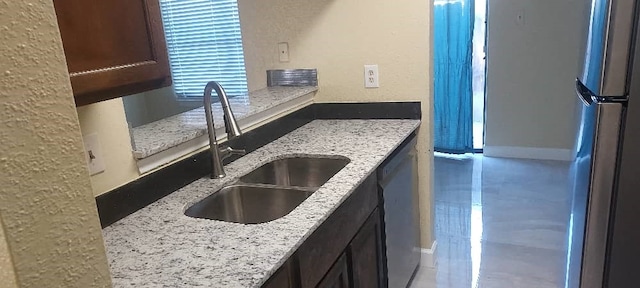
230,123
218,154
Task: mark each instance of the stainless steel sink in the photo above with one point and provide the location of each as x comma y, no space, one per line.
269,192
299,171
249,204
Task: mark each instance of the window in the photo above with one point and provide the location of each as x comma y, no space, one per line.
445,2
204,44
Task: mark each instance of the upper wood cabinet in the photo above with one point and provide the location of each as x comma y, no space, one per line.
113,48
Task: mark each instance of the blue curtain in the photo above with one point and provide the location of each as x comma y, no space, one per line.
453,73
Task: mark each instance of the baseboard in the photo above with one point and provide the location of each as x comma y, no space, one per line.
428,256
528,153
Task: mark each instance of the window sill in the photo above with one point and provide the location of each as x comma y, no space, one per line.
164,141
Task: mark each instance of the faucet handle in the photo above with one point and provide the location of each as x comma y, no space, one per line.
237,151
226,152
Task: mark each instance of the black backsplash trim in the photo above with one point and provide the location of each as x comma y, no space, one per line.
131,197
369,110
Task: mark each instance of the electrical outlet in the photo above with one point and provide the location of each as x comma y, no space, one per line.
93,154
283,51
371,76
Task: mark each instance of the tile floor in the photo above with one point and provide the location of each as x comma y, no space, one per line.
499,223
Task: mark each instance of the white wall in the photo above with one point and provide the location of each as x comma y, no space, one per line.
338,37
531,71
47,207
108,120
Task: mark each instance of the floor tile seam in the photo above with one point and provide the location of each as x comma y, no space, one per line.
441,243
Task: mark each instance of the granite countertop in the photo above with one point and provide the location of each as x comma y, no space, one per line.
160,246
163,134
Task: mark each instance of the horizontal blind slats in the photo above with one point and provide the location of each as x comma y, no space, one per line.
205,44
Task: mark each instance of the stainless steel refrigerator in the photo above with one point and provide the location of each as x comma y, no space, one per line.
604,242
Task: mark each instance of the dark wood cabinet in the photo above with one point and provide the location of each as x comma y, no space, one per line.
283,278
329,241
365,253
345,251
113,48
338,275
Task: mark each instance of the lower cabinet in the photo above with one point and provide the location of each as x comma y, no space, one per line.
283,278
365,253
338,275
345,251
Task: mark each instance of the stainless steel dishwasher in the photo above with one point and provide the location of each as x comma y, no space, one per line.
398,185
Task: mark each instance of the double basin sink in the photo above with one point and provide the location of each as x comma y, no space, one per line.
269,192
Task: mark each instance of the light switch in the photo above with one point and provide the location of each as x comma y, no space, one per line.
93,153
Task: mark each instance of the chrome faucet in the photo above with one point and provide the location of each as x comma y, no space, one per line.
219,152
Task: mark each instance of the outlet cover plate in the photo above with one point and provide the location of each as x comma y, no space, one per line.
371,76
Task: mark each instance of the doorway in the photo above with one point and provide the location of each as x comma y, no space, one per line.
479,67
459,75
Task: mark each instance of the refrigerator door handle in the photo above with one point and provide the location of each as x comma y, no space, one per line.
603,176
584,93
588,97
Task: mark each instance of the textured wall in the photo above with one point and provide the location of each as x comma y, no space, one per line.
7,275
46,203
338,37
531,69
108,120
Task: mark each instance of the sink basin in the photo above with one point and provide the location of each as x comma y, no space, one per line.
299,171
269,192
248,204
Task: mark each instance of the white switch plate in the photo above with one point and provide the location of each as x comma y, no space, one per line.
371,76
93,154
283,51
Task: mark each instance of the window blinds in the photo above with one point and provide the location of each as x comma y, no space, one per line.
204,44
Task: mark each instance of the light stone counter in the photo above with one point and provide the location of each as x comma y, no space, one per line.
158,246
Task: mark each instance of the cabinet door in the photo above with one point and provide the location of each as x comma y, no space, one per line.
283,278
332,238
365,252
113,48
338,275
